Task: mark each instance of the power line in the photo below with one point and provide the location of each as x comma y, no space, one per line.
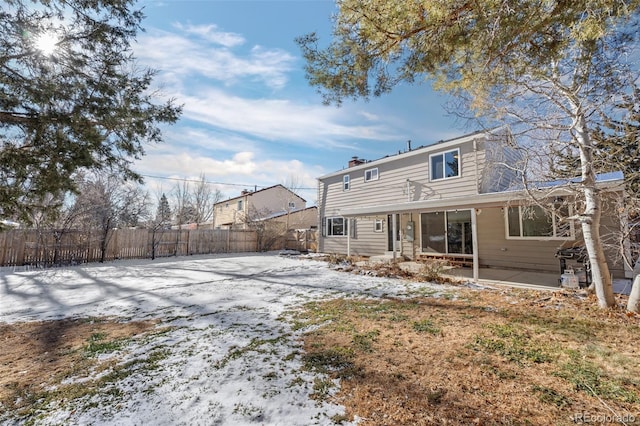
212,182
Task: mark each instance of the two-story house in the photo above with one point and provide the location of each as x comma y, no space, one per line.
252,206
456,199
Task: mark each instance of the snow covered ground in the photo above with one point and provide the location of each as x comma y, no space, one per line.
233,358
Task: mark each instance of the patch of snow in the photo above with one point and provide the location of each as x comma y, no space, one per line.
230,358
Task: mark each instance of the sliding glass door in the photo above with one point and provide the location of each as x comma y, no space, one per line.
447,232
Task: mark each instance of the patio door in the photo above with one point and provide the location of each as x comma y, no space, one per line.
390,231
447,232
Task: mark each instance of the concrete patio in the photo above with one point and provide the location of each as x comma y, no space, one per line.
509,277
528,279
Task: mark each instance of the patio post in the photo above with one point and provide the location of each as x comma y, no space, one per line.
394,228
348,228
474,242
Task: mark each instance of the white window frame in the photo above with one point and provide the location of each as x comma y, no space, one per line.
329,229
554,225
378,225
346,182
443,154
370,173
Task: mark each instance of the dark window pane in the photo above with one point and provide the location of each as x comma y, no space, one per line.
433,232
536,222
451,164
459,232
513,217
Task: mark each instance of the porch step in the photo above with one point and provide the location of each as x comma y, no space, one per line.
453,260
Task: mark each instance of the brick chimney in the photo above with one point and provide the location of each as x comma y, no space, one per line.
355,161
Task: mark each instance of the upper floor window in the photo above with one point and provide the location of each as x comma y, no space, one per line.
292,205
239,204
371,174
445,164
539,223
346,182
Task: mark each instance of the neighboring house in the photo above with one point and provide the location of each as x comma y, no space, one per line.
252,206
453,199
306,218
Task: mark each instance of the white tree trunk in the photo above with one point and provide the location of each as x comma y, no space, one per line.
633,305
590,218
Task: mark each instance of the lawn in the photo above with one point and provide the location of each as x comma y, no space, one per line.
267,339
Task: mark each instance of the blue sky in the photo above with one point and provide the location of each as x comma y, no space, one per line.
250,119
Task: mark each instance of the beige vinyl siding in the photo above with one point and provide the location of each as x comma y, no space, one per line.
391,185
610,234
495,250
365,243
274,200
228,214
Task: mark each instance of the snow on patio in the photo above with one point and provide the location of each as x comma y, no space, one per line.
233,358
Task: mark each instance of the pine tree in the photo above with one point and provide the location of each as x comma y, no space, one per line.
73,97
163,215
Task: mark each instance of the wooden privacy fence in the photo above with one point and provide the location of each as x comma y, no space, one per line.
51,248
304,240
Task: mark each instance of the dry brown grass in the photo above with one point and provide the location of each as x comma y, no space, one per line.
488,357
37,357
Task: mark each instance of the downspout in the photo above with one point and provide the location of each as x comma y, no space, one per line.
474,243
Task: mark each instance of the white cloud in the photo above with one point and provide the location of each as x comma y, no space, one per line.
175,54
210,33
238,132
243,170
279,119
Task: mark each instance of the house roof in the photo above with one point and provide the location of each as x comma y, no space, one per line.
611,181
250,193
284,213
416,151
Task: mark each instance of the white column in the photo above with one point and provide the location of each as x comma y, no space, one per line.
474,242
394,227
348,229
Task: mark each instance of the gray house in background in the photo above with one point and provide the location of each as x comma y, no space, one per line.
454,200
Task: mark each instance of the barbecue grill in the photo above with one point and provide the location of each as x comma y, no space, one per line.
578,255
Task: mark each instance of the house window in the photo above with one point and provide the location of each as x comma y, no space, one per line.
538,223
371,174
239,205
345,182
447,232
292,205
336,226
377,225
445,164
